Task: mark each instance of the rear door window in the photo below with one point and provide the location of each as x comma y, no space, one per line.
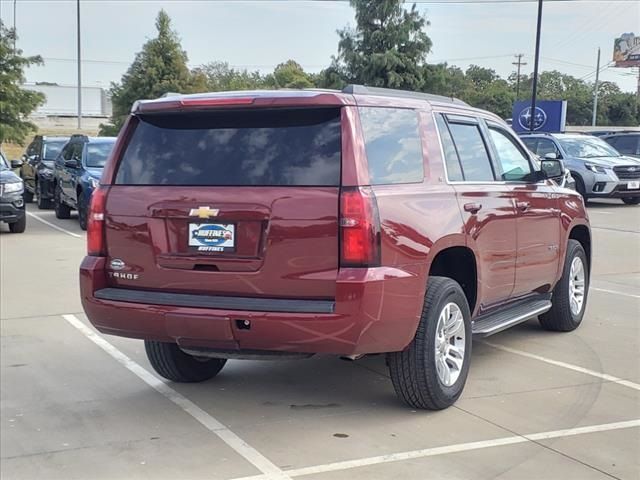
474,158
392,143
454,170
283,147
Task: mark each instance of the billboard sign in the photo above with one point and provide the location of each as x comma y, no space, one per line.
549,116
626,50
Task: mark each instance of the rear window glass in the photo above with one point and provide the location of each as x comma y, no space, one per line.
97,154
252,147
392,143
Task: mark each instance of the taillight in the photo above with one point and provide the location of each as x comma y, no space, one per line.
95,223
359,228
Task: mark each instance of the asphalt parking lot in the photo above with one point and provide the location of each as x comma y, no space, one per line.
75,404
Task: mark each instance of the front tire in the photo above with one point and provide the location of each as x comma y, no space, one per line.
20,226
431,372
580,188
62,211
173,364
631,200
43,203
82,211
570,293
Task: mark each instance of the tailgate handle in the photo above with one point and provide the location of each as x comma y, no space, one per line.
203,267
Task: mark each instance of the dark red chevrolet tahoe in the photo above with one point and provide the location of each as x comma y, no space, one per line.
288,223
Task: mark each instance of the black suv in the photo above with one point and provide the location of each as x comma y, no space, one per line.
626,142
11,201
37,169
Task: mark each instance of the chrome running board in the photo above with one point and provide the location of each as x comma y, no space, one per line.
491,323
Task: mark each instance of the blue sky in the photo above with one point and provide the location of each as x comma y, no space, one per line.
260,34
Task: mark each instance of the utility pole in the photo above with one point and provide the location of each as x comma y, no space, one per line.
15,32
595,92
519,64
79,70
535,68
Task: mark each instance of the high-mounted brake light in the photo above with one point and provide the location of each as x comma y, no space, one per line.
188,103
95,223
359,228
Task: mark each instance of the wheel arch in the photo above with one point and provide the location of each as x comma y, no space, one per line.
582,234
458,263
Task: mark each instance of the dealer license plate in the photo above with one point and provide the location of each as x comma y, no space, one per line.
212,237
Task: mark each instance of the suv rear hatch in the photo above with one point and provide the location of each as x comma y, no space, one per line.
238,202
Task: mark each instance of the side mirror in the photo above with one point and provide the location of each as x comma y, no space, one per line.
71,163
552,167
16,163
551,156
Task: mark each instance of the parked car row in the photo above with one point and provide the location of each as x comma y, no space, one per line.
62,172
598,169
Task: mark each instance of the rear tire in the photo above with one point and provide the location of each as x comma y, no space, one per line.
43,203
631,200
415,371
20,226
173,364
564,315
62,211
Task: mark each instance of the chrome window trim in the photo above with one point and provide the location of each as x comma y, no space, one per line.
444,161
471,182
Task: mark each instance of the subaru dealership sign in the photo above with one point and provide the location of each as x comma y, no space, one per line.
548,116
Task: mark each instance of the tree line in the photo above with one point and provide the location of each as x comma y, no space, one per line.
387,47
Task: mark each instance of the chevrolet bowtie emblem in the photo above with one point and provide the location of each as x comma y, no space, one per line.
204,212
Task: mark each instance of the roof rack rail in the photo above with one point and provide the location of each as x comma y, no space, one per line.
537,133
391,92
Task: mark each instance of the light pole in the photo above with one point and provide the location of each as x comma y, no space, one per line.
15,34
595,92
535,68
79,70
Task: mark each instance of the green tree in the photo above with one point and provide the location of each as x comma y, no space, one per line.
16,103
387,48
160,67
289,75
219,76
554,85
442,79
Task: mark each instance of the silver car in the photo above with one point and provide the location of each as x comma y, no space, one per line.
598,169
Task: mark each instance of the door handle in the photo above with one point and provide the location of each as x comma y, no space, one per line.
523,205
472,207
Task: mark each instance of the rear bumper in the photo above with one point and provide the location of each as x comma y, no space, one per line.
375,310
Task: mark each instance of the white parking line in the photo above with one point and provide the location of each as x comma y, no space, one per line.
60,229
270,471
615,292
461,447
569,366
